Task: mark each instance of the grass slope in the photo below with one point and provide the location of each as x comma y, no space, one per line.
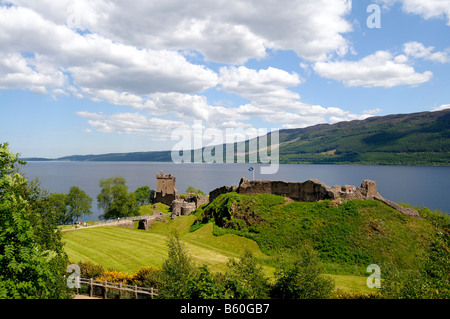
126,249
348,237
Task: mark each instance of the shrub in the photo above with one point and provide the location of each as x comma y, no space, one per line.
245,279
148,277
90,270
205,285
177,270
302,278
116,276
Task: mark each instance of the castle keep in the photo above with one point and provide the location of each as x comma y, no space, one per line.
166,192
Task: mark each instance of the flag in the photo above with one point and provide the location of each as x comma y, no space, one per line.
250,169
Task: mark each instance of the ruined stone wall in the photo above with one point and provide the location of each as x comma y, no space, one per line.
221,190
309,191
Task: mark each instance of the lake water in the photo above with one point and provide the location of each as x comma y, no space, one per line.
417,185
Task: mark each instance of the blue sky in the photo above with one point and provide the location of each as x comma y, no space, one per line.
93,77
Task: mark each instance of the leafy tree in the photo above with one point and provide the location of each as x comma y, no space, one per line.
205,285
57,203
177,270
144,195
115,200
302,279
32,261
78,203
245,278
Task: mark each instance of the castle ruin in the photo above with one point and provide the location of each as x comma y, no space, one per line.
166,192
308,191
311,191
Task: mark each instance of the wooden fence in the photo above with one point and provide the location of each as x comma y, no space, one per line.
132,290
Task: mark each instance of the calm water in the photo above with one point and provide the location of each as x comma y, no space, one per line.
418,185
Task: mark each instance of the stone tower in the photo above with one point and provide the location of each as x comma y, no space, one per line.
165,188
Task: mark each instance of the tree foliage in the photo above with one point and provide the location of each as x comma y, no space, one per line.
302,278
115,200
78,203
144,195
177,270
32,260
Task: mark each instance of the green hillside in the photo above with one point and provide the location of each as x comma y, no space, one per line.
401,139
348,238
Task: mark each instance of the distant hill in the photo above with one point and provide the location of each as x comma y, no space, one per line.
400,139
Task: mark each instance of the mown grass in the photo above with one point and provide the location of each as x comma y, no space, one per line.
126,249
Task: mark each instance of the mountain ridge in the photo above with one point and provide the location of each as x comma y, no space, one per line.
421,138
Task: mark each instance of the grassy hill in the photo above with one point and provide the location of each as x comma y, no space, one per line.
401,139
359,232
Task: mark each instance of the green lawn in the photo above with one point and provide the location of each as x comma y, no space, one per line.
126,249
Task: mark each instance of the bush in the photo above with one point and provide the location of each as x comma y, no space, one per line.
177,270
148,277
90,270
245,279
116,276
302,278
205,285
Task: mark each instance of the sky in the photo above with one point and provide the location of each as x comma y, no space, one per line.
94,77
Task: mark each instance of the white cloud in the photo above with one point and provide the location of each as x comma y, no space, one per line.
267,86
428,9
93,61
130,123
19,72
442,107
223,31
380,69
418,50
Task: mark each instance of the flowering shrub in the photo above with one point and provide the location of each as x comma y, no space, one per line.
116,276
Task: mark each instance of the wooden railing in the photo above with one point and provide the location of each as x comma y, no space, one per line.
133,289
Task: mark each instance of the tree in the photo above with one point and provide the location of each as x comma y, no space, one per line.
302,278
245,278
32,259
205,285
78,203
144,195
115,200
177,270
59,208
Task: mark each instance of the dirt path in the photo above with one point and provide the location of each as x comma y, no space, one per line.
85,297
